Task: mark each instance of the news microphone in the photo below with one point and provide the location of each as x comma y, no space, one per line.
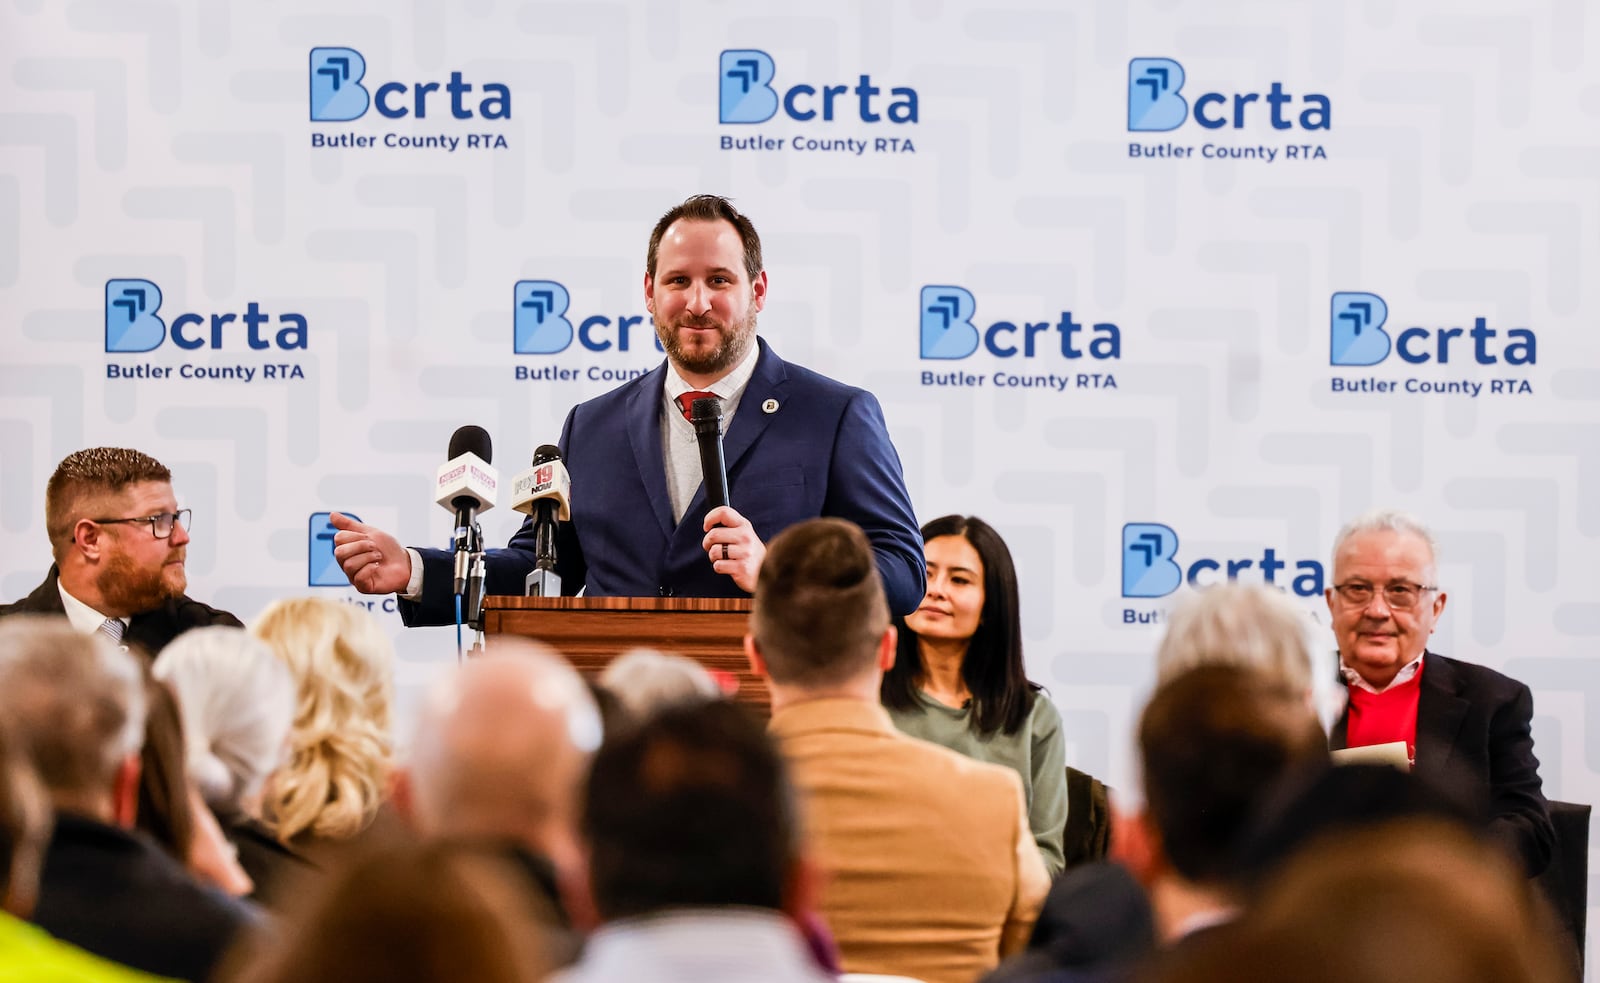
544,491
706,415
466,485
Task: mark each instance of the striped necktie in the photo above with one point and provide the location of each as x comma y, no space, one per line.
112,629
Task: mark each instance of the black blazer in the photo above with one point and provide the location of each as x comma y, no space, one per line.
115,893
149,631
1474,735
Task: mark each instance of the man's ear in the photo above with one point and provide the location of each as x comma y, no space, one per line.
125,792
86,538
758,290
758,666
888,646
649,293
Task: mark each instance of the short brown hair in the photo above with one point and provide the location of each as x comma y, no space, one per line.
1213,741
819,608
93,471
709,208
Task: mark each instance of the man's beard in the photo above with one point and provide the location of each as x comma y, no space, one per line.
126,586
732,346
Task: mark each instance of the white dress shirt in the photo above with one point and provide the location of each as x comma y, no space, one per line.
697,945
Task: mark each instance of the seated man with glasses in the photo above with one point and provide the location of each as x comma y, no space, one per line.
119,541
1465,727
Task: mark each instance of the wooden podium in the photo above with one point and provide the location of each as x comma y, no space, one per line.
591,631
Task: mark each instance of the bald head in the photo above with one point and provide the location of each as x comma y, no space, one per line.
503,746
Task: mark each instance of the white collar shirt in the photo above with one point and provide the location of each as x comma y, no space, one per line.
679,451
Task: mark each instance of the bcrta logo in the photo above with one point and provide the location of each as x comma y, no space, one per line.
1150,565
322,570
337,94
1155,105
948,331
133,325
1358,337
541,326
746,94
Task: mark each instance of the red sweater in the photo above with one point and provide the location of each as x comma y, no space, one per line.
1378,718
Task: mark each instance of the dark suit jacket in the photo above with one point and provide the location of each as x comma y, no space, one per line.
1474,735
824,450
116,894
150,631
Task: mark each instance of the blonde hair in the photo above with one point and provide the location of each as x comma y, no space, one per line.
341,745
1250,625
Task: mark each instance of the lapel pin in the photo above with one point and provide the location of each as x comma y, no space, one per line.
770,406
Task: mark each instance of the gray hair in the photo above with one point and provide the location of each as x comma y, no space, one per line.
645,681
1387,520
1249,625
238,702
76,699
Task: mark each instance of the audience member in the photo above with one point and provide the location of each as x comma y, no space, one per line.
428,913
27,954
1462,724
644,681
119,542
694,854
78,703
1237,624
323,801
501,751
1095,927
929,867
237,701
170,809
1399,901
958,677
1212,743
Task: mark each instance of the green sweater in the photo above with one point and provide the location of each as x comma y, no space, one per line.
1037,752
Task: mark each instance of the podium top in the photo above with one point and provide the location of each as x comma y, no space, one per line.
723,605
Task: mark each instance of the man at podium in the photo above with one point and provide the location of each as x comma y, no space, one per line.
799,445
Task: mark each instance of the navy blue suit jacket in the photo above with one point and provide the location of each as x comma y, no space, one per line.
1474,735
824,451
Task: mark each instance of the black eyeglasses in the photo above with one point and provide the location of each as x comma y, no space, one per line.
1399,596
160,524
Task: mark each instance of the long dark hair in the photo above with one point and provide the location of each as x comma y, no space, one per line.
1002,695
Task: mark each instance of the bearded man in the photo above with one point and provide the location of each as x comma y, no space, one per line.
119,541
798,445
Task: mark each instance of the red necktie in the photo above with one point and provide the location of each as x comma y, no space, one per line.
686,401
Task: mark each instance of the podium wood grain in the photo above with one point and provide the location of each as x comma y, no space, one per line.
591,631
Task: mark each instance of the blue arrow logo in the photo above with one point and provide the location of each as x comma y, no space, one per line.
131,321
1153,100
745,93
1148,570
337,94
945,322
322,569
1355,330
540,324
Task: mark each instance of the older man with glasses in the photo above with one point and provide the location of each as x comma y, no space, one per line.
1464,726
119,541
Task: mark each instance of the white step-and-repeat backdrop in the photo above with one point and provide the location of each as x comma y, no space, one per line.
1165,291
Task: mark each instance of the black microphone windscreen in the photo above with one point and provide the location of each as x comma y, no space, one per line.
705,408
471,440
545,453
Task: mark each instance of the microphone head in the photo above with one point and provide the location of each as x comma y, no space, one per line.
546,453
704,409
471,440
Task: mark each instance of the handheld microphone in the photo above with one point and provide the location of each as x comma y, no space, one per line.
706,415
466,485
544,491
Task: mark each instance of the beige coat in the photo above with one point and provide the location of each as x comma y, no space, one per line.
929,868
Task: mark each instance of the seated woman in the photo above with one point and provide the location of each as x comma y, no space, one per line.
958,678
